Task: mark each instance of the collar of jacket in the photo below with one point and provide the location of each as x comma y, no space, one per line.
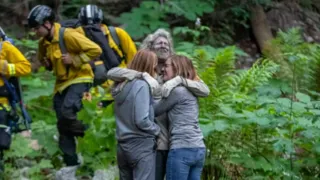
55,39
105,29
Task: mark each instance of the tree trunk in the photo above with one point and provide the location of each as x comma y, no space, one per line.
260,27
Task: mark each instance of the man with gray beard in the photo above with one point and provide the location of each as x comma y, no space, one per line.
161,43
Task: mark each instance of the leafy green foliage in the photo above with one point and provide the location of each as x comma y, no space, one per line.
299,57
196,35
256,127
98,146
141,18
27,45
21,156
23,161
71,8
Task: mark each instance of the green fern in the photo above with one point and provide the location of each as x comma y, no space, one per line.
299,61
259,74
315,70
227,85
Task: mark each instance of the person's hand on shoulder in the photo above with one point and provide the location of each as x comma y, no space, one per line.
168,86
153,83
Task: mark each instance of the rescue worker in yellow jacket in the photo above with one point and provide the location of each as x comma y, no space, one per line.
12,63
125,50
74,77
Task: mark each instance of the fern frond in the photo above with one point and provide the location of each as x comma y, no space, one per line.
299,61
224,63
259,74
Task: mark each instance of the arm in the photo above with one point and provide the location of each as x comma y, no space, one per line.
141,111
122,74
168,103
127,44
197,87
14,64
84,49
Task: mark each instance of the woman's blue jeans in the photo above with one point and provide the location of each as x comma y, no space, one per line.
185,163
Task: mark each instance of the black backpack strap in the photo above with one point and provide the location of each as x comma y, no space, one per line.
62,44
116,39
114,35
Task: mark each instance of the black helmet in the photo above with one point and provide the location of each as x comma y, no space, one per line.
90,14
39,14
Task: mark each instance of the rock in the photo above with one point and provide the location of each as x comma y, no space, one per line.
106,174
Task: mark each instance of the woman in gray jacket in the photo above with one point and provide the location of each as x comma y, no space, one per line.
187,150
135,127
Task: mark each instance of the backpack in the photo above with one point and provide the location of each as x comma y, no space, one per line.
70,23
4,37
74,23
108,56
13,91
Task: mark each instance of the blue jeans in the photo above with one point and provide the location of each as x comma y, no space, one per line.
185,163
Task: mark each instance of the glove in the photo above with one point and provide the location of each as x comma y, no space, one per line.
168,86
3,66
153,83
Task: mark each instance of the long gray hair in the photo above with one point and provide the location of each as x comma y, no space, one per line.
147,43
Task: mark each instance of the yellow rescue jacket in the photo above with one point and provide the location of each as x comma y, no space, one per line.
127,49
17,65
79,47
126,52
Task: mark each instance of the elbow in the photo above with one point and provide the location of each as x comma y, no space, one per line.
95,52
112,71
99,51
204,93
207,92
26,71
113,74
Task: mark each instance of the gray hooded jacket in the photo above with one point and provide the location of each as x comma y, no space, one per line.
134,111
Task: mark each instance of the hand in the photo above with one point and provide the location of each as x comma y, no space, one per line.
3,66
67,59
168,86
153,83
